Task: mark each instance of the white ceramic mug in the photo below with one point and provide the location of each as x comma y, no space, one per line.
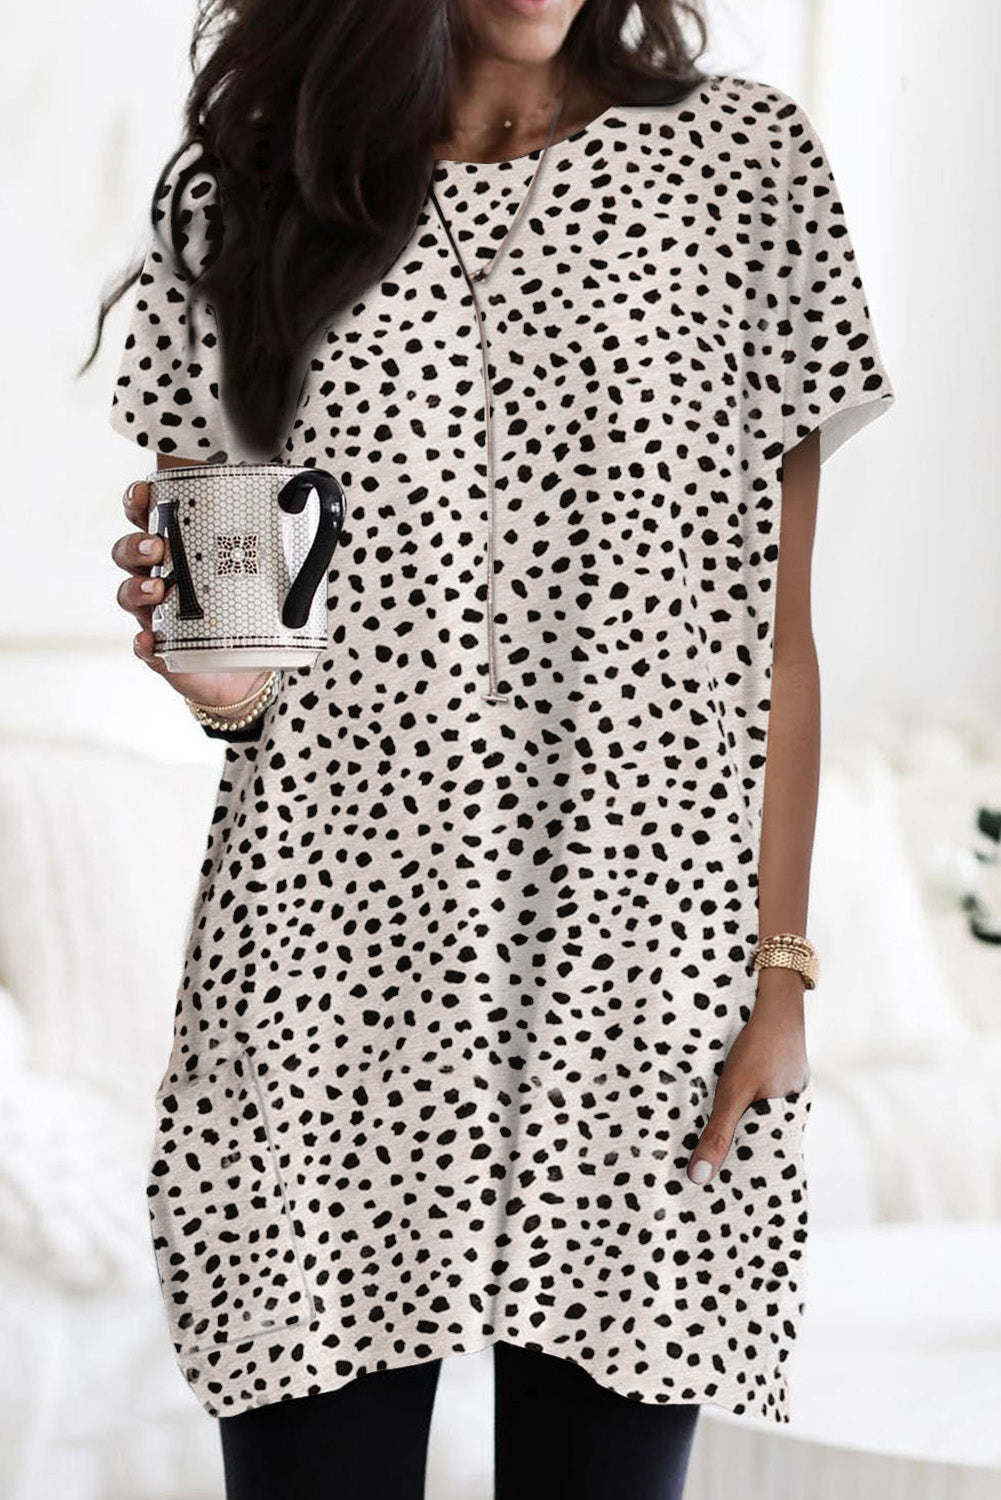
246,553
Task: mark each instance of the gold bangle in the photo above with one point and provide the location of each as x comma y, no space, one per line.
219,708
789,950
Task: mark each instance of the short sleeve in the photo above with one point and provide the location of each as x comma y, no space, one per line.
833,373
166,399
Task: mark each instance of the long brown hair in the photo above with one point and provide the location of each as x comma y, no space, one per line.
318,120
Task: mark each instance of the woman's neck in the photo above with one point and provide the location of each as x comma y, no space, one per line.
489,92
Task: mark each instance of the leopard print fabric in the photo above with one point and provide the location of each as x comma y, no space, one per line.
461,971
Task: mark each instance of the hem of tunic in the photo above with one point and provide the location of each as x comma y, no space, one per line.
768,1402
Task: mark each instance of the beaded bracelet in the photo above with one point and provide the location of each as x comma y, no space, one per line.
261,700
788,950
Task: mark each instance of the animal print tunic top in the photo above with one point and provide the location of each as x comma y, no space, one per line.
463,968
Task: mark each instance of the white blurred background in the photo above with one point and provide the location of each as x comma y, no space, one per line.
106,785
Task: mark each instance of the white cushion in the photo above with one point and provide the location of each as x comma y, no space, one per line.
100,851
882,995
945,773
13,1038
72,1190
931,1133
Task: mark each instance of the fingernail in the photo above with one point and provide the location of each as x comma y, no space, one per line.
148,545
702,1170
149,584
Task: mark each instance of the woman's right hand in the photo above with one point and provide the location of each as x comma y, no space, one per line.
204,687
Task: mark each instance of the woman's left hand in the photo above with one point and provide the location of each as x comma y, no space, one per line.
767,1060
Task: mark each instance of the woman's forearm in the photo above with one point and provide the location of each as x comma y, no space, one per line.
792,771
792,761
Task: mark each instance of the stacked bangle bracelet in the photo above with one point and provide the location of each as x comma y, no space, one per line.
788,950
216,715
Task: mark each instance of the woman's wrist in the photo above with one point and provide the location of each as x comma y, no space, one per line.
780,989
236,709
779,999
788,950
238,703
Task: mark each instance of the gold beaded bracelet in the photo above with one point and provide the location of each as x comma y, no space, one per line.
789,950
210,714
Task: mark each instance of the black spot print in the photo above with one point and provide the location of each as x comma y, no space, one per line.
463,969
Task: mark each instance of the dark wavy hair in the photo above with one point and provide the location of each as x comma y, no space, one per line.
318,121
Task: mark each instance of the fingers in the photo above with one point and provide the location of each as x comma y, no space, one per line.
136,502
717,1137
137,551
142,645
138,595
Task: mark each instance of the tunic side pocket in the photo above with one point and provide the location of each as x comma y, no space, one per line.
774,1126
222,1232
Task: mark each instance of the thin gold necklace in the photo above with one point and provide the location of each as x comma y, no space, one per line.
489,125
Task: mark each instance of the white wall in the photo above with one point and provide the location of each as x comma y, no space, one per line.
911,538
908,552
909,543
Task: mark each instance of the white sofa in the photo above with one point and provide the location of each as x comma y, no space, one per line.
99,850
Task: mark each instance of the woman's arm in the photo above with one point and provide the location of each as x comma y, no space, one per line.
792,763
768,1056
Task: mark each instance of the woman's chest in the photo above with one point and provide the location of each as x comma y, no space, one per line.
561,453
612,345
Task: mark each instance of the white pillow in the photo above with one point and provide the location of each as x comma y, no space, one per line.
100,851
13,1038
72,1169
946,773
882,995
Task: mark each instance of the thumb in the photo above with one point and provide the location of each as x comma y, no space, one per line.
716,1138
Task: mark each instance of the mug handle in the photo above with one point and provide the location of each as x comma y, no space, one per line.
168,524
291,498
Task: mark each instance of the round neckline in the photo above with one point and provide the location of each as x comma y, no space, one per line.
536,152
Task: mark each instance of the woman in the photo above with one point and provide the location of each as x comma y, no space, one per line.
483,932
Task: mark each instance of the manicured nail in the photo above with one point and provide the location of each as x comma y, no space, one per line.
702,1170
148,545
149,584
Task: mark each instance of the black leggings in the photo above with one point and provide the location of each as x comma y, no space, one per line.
558,1435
